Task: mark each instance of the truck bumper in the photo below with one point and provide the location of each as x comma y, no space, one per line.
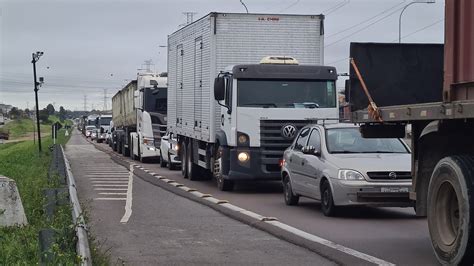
150,152
252,169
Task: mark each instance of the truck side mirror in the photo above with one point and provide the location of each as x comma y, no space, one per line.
219,88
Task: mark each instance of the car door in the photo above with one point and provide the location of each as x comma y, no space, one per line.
296,158
312,166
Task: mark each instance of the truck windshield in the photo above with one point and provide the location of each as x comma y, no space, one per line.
286,93
349,140
155,100
105,121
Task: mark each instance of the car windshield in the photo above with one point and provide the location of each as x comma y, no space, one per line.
286,93
105,121
349,140
156,100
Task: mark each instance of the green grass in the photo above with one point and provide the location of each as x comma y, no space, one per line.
25,127
19,245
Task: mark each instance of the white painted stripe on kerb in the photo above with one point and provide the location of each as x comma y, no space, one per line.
128,204
109,182
112,193
330,244
109,178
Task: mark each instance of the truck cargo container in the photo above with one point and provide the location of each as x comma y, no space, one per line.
139,117
233,116
442,135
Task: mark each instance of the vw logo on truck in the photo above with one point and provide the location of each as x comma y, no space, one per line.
288,131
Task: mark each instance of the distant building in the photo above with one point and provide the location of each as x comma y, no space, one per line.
5,108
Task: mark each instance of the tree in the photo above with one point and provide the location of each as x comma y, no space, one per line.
50,109
44,115
15,113
62,113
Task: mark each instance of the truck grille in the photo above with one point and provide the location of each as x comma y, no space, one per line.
389,175
272,142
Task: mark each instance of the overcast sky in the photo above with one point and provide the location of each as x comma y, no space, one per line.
92,45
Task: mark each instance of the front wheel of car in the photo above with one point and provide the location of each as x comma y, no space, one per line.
290,197
327,201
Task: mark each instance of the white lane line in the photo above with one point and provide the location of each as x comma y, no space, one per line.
111,185
112,174
110,189
128,203
330,244
109,178
112,193
109,182
110,199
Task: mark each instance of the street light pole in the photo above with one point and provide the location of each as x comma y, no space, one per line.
403,10
35,58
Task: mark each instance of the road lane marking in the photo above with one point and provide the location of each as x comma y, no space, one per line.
110,189
128,203
111,185
110,199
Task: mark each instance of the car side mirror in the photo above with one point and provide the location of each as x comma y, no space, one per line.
219,88
311,150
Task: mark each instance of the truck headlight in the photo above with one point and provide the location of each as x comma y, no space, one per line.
148,141
350,175
243,157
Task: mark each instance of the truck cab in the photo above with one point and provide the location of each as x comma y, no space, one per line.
262,108
150,101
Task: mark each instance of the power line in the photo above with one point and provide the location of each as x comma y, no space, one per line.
421,29
290,6
364,21
336,7
364,28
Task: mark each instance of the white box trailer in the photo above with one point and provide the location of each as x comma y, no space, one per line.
198,52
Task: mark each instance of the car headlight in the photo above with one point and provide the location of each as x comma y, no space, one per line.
350,175
175,147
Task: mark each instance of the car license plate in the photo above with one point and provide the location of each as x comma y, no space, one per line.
394,189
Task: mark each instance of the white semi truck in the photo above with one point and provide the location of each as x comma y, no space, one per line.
139,117
102,124
233,116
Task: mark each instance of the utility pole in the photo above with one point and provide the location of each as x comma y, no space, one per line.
105,100
35,58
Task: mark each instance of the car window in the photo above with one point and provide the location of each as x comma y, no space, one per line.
315,139
302,138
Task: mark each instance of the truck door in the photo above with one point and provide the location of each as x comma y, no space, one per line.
179,85
198,86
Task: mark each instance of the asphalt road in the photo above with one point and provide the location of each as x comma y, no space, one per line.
395,235
163,228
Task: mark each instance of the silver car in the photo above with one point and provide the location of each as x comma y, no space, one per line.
334,164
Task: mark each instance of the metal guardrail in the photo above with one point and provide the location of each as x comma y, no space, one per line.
82,247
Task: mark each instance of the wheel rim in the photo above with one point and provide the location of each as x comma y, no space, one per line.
447,213
287,189
217,169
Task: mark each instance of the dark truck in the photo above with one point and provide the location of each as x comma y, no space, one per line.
430,87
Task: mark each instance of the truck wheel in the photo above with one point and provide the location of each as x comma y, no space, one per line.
290,197
193,170
327,201
222,183
184,161
162,161
451,210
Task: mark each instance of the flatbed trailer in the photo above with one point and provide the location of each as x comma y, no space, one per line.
442,138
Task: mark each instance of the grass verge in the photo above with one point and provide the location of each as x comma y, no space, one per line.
19,245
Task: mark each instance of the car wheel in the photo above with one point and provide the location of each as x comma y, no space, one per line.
184,164
327,202
162,161
222,183
290,197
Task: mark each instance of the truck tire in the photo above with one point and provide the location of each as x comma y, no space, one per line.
184,161
222,183
193,170
451,210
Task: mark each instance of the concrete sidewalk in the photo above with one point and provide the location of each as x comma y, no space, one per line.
164,228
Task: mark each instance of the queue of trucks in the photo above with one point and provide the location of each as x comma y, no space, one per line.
240,86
